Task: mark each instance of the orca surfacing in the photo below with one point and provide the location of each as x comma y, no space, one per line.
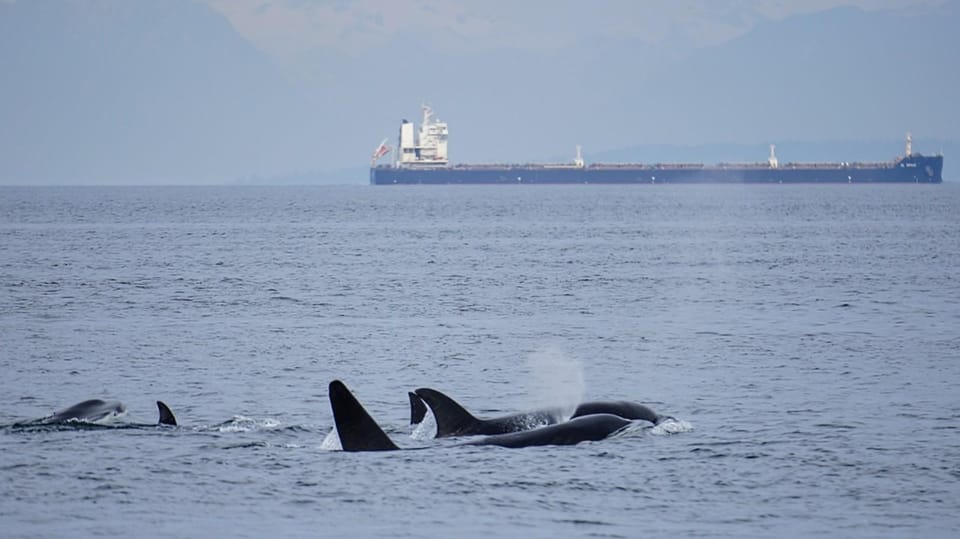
98,412
359,432
454,420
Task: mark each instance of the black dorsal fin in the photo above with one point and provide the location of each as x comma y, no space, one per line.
452,419
418,410
357,430
166,416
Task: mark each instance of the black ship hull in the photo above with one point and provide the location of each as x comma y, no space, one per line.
911,169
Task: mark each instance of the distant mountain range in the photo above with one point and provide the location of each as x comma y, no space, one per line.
140,91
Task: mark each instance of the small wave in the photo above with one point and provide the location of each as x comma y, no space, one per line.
247,445
633,429
247,424
531,423
111,418
36,426
332,441
583,522
838,426
671,426
296,428
426,429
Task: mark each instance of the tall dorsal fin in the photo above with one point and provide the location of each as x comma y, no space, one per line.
452,418
357,430
166,415
417,408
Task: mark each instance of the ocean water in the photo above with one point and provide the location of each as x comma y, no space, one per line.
805,337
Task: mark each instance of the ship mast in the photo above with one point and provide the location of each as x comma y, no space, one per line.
909,148
427,114
774,162
578,160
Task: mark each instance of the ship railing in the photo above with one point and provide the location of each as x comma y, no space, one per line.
743,165
645,166
833,166
618,165
513,166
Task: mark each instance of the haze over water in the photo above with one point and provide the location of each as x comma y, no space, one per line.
805,334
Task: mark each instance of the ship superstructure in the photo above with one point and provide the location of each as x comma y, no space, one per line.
426,148
421,158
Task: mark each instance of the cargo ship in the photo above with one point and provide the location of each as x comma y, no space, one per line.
421,158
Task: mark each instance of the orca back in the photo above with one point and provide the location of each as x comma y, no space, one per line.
356,429
624,409
452,418
91,411
590,428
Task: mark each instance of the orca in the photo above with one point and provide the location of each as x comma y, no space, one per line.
98,412
587,428
624,409
454,420
359,432
88,411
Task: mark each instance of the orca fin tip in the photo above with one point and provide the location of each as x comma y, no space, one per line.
418,409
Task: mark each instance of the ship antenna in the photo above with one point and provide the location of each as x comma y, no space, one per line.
774,162
909,145
427,114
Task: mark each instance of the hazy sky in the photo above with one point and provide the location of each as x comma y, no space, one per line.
288,29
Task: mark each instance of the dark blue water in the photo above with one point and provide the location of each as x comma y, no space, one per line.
806,337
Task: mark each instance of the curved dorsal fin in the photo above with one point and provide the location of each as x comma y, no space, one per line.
356,429
417,408
452,418
166,415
